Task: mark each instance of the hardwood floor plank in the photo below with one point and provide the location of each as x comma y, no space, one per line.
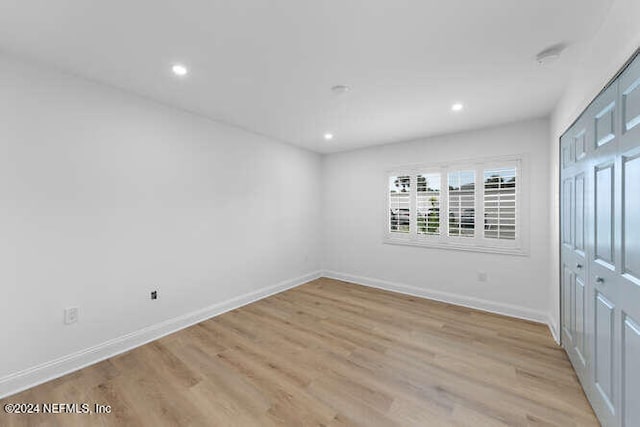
330,353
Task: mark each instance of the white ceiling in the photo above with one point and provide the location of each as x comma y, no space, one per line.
268,65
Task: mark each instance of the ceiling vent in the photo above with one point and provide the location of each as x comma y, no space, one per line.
550,54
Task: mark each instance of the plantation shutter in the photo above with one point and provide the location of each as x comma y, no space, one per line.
428,203
462,199
399,204
500,203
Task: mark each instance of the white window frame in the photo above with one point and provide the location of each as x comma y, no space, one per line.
477,243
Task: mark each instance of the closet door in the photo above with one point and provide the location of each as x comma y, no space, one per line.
629,248
574,245
600,234
604,260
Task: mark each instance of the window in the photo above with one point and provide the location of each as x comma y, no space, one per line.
500,204
399,203
470,206
462,203
428,203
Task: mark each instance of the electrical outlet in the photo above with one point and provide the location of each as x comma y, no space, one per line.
482,276
70,315
154,294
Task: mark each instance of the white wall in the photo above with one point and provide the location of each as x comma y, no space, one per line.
105,196
355,213
613,44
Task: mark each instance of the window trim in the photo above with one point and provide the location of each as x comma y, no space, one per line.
477,243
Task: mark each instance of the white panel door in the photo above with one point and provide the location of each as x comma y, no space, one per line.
574,241
603,259
600,235
629,248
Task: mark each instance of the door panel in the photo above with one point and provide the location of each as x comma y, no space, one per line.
579,213
631,106
568,156
631,215
580,320
630,97
567,281
604,122
602,115
580,145
604,214
631,372
605,333
567,208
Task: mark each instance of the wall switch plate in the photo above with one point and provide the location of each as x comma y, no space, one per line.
482,276
70,315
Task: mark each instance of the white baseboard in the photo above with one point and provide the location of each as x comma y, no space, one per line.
466,301
553,327
19,381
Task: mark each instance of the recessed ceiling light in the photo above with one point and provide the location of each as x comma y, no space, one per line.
328,136
179,70
457,107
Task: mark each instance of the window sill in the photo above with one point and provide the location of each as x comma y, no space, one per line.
455,246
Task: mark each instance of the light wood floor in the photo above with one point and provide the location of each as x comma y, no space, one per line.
334,354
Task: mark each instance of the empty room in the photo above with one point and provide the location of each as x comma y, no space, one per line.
320,213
